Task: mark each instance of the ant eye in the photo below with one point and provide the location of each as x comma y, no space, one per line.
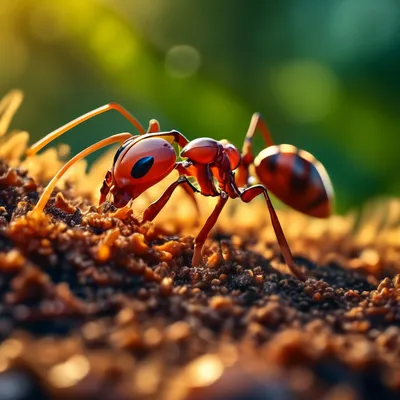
142,167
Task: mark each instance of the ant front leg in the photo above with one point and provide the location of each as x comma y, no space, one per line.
44,198
105,188
247,196
154,208
202,236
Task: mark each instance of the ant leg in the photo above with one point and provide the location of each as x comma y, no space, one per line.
191,193
257,122
154,127
8,106
105,188
120,137
65,128
202,236
247,196
154,208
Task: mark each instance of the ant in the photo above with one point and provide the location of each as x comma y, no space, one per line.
294,176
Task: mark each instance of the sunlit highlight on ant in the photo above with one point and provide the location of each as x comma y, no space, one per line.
217,168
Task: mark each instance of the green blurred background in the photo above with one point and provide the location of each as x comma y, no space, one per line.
325,74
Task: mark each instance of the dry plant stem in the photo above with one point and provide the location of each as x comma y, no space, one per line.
121,137
8,106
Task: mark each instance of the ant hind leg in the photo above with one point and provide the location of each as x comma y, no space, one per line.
257,123
248,195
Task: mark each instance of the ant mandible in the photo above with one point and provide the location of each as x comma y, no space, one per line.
294,176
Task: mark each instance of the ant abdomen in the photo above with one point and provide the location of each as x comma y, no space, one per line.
296,178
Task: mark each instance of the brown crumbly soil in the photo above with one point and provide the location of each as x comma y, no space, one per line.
95,306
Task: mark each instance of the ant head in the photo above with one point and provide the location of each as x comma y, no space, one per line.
296,178
140,163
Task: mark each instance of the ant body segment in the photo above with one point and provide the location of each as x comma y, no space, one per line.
219,169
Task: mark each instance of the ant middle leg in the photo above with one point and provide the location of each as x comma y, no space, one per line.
248,195
154,208
203,234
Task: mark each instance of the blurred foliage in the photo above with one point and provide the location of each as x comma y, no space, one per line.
324,74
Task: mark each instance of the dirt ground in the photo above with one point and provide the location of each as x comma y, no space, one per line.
93,305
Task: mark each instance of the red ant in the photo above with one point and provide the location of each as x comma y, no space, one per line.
292,175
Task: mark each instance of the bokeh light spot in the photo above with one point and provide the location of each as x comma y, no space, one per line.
205,370
182,61
306,90
70,372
